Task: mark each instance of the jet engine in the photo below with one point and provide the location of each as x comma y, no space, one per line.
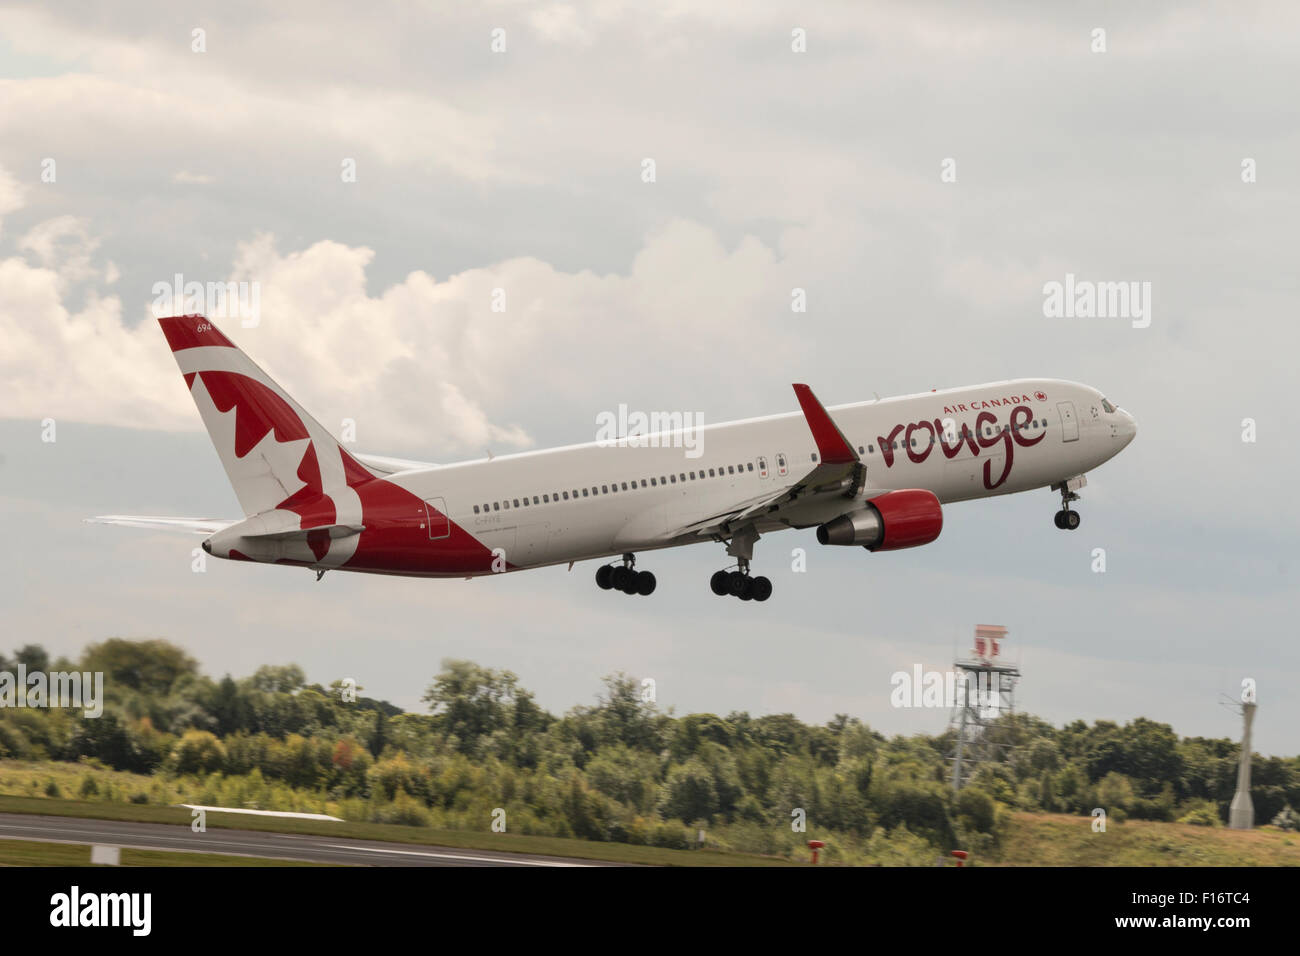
896,519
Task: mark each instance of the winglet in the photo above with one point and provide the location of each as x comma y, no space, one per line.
832,447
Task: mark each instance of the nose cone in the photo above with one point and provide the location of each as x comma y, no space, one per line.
1127,428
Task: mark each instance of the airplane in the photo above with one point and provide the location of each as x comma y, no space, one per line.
874,474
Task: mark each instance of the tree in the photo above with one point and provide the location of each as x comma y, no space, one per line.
199,751
689,794
148,667
279,679
33,657
473,701
624,717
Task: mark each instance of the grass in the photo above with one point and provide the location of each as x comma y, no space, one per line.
37,853
32,853
392,833
1055,839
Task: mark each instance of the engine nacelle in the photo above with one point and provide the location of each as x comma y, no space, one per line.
896,519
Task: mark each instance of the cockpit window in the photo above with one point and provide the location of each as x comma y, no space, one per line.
1108,406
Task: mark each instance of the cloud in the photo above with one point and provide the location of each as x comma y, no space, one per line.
11,194
421,364
65,245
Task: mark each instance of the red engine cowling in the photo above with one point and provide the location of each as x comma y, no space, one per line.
896,519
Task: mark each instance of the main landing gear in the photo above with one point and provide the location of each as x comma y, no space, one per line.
738,583
624,577
1066,519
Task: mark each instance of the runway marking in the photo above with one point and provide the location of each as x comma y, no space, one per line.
454,856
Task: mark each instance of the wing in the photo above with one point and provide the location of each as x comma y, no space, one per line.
838,472
192,525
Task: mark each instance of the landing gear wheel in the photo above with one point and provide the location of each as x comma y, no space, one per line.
1067,520
762,588
719,583
619,576
736,583
603,575
630,587
645,583
747,592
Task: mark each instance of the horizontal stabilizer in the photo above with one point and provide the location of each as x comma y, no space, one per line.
190,525
391,466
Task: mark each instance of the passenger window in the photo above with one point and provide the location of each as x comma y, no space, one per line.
813,456
682,476
749,465
546,499
535,501
496,506
673,479
604,489
711,474
731,470
653,482
476,509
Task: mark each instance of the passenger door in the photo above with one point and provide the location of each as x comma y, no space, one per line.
1069,424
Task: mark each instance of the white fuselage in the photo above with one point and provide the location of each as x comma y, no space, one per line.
599,499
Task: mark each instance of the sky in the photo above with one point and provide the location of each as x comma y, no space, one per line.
920,170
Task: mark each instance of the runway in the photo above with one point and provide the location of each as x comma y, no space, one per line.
253,843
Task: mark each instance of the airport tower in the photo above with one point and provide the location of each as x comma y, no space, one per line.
985,691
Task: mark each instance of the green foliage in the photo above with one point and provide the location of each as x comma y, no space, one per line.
1287,819
619,769
198,751
1201,813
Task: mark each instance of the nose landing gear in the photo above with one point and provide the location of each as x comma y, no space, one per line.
1066,519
